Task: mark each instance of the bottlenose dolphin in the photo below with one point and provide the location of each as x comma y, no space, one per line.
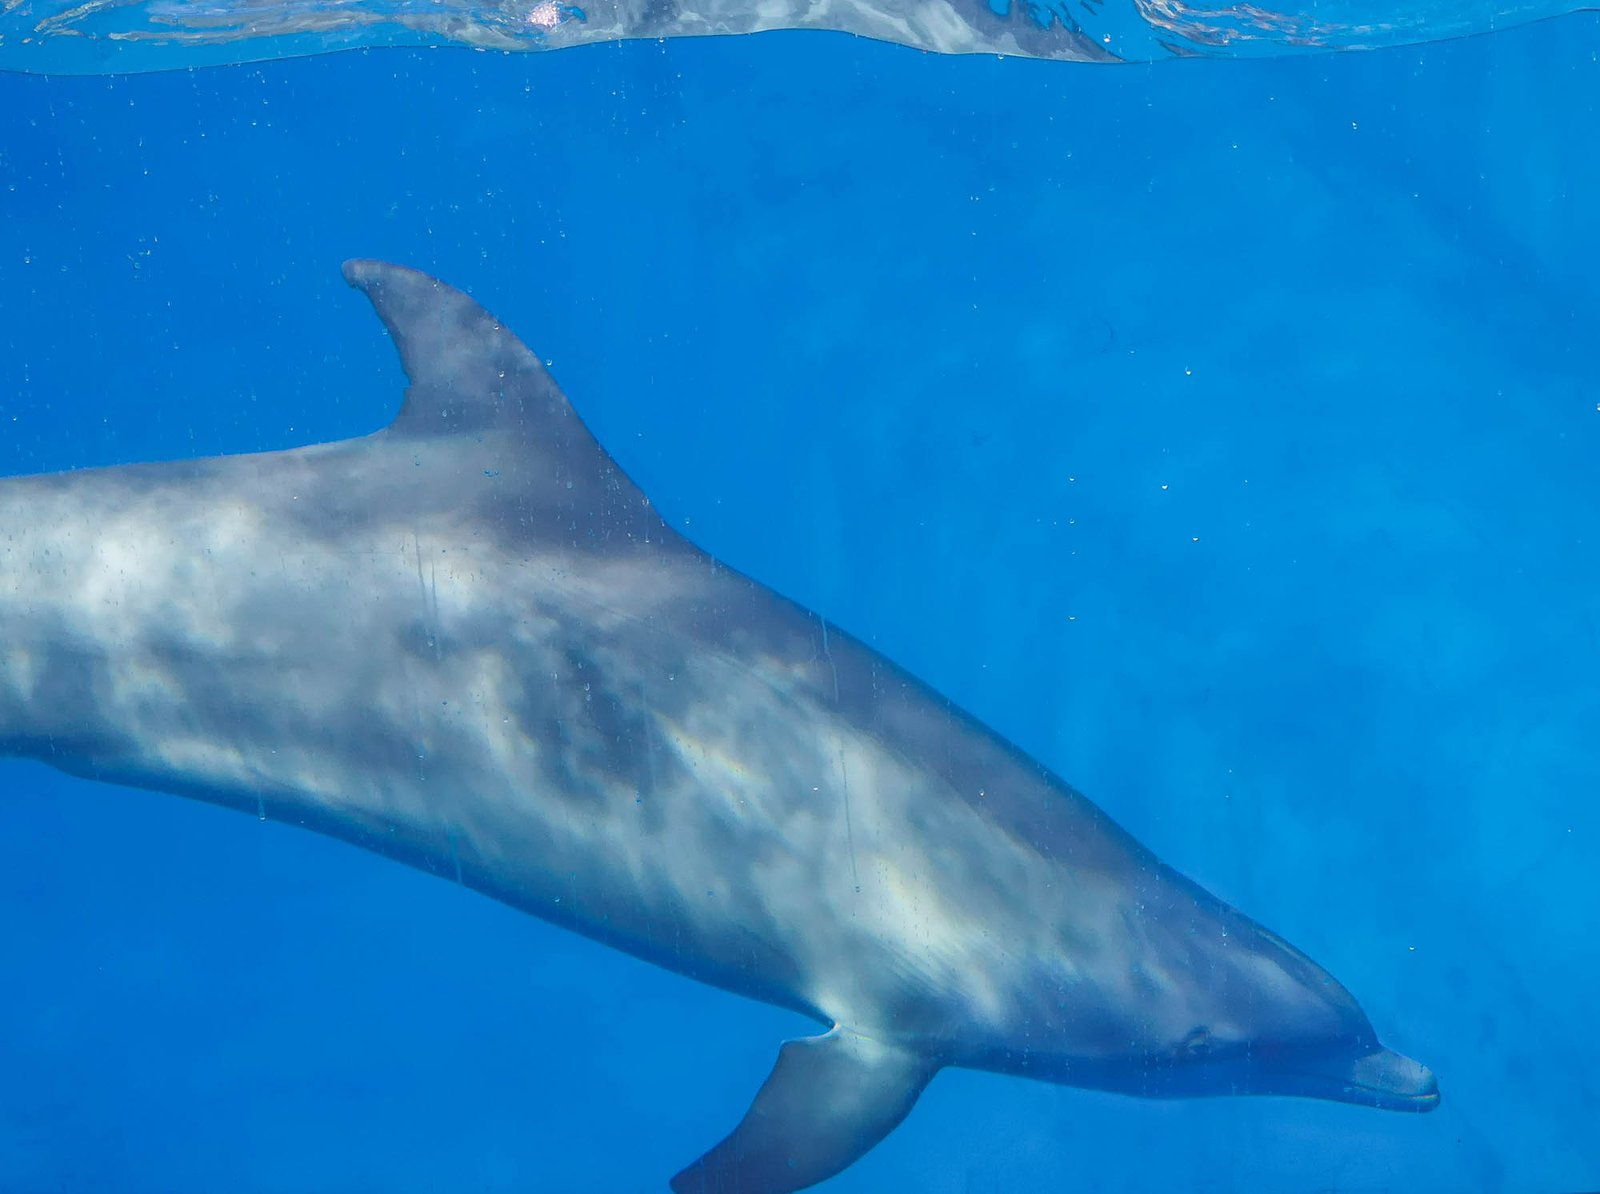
469,642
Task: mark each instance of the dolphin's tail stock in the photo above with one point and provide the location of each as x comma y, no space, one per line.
828,1100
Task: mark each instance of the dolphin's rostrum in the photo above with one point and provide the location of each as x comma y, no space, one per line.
469,642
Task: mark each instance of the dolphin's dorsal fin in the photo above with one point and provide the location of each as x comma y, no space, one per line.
472,377
828,1100
468,372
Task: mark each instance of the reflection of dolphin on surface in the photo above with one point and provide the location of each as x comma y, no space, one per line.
468,642
113,36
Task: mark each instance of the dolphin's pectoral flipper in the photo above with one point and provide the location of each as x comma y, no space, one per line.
828,1100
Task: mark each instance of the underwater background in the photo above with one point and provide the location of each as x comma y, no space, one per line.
1226,434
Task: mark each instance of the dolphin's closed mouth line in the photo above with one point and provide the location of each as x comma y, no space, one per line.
1419,1100
1391,1094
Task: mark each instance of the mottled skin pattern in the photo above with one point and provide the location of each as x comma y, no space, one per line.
468,642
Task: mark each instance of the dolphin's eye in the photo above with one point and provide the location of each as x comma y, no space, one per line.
1197,1043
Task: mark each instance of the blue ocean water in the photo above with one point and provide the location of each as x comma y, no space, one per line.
1225,434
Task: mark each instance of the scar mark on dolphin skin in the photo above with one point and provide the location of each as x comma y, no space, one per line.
431,638
455,854
430,597
829,655
433,596
849,828
844,778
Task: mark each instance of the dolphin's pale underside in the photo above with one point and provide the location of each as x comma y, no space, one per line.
468,642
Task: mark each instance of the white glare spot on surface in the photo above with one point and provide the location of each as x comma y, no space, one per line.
546,15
